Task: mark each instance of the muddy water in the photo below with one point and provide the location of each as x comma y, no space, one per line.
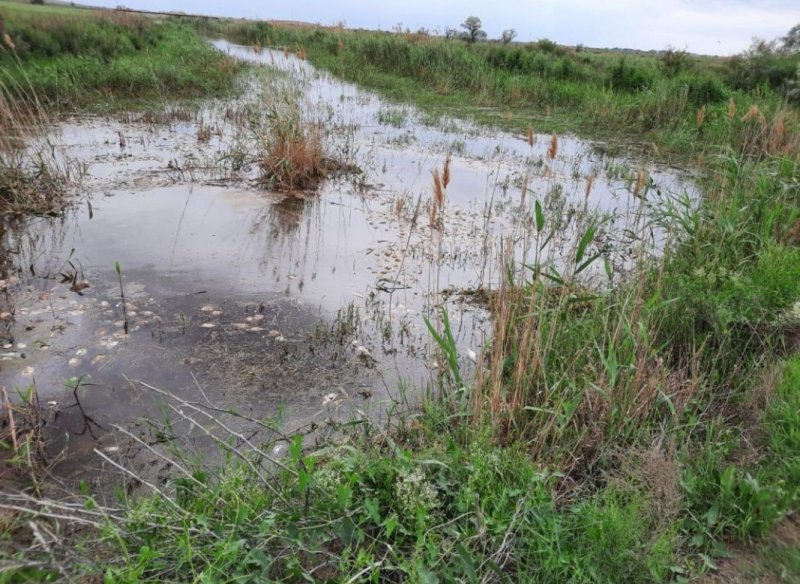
296,307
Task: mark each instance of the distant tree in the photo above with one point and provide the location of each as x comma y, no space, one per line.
450,33
37,1
791,42
508,35
473,27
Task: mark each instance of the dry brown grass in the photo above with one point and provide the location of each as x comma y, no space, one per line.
295,160
758,135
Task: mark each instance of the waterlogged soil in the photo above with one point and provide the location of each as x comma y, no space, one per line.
176,270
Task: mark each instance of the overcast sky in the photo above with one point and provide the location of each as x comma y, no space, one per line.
701,26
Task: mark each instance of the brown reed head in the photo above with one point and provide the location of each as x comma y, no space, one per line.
731,109
638,188
700,116
552,151
752,112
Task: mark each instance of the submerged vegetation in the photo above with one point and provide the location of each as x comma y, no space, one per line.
626,423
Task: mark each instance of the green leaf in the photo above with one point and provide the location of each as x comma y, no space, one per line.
584,242
426,576
373,509
539,216
466,561
390,525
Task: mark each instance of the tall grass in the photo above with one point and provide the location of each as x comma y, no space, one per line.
80,57
32,177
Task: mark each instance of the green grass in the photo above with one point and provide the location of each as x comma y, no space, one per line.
69,58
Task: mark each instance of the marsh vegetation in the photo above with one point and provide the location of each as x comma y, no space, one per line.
528,313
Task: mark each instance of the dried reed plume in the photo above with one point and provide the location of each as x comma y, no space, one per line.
751,113
552,151
438,200
700,117
638,188
9,43
731,109
446,172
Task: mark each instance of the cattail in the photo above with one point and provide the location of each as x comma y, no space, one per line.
700,117
446,172
751,113
531,137
9,42
438,188
731,109
589,183
553,150
438,199
639,186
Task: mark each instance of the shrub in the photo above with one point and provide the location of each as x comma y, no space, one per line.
627,77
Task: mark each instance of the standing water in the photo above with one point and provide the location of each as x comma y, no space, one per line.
294,307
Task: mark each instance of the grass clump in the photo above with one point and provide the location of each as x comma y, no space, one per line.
295,157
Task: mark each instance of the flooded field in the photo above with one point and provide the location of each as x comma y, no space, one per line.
177,269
